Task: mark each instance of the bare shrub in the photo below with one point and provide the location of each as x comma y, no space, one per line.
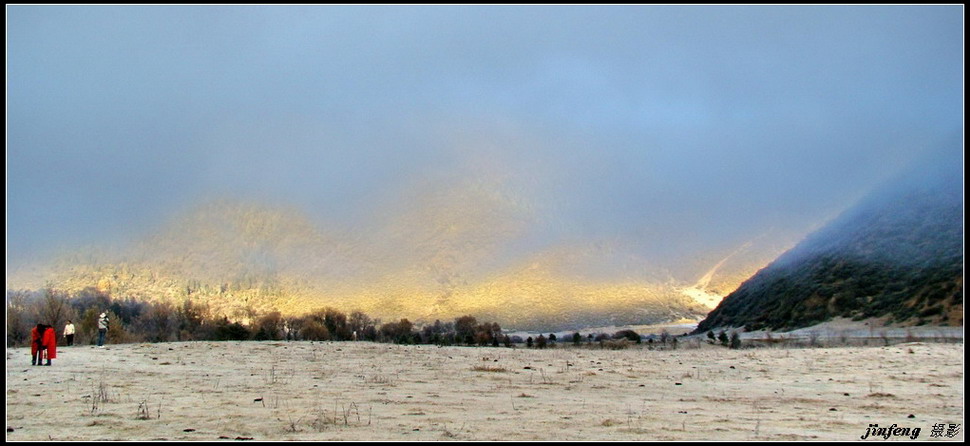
99,397
313,330
345,414
144,410
54,309
379,379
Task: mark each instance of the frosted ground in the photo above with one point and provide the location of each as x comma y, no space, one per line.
365,391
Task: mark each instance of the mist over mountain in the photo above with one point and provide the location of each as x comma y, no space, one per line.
898,254
461,244
481,239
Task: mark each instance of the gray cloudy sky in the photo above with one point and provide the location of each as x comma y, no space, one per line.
696,125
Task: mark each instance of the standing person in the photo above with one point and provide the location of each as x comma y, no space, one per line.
69,333
50,344
37,344
102,328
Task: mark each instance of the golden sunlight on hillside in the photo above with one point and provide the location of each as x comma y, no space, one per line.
437,253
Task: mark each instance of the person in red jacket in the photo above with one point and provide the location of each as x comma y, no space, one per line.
50,343
42,339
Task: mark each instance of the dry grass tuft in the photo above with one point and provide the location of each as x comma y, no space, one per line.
488,368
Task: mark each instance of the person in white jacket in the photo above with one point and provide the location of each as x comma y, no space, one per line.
69,333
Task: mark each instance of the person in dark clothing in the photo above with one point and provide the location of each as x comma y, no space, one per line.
102,328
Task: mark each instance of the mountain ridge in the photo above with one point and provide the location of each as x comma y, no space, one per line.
242,259
441,249
896,254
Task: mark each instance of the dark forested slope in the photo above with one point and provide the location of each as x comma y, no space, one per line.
898,253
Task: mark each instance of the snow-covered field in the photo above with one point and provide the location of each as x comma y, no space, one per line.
365,391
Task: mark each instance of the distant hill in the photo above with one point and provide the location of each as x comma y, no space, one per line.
897,254
437,253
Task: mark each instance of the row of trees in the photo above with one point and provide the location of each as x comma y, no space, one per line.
734,342
131,320
139,321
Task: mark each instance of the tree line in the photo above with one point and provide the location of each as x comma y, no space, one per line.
135,320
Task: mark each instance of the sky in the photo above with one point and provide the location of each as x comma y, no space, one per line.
681,127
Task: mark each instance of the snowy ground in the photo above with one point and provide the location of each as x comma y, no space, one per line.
365,391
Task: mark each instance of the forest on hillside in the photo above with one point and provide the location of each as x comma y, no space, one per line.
899,257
